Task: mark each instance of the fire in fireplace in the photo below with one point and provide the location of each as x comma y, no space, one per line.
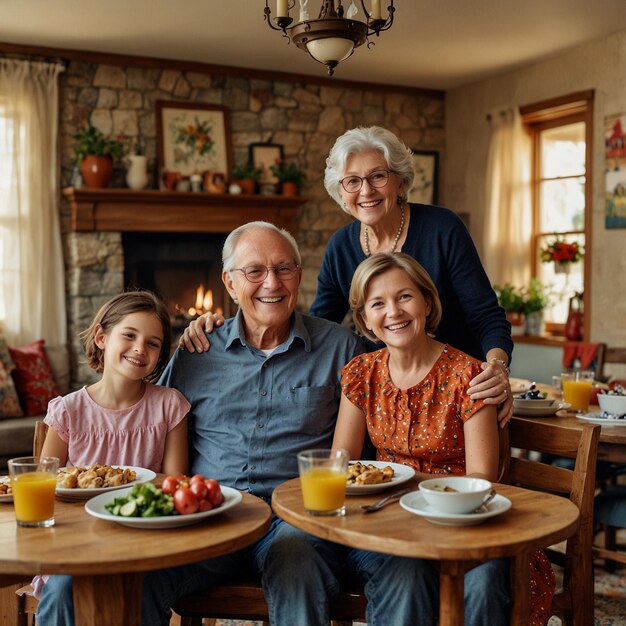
184,269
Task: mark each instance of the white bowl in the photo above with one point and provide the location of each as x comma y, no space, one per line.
468,495
522,403
615,405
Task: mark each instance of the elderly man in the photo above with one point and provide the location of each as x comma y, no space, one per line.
268,388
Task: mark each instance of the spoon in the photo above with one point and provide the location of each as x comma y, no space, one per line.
370,508
483,506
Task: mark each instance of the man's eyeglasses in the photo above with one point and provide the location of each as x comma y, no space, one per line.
377,179
258,273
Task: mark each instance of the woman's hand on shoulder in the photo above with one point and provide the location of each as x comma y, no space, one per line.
492,385
194,338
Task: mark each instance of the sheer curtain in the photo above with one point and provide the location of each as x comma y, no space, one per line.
32,286
507,225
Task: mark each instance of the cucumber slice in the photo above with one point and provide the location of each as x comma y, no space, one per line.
129,509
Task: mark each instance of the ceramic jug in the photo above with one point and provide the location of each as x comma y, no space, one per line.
574,323
137,176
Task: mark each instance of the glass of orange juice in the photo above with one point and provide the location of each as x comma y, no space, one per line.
577,388
33,481
323,475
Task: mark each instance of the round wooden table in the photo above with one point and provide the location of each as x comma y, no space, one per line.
107,560
535,520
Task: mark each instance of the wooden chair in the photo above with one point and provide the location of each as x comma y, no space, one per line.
574,601
607,356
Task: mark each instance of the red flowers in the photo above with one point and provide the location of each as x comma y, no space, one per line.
561,251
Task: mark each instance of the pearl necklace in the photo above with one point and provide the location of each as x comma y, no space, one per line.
366,240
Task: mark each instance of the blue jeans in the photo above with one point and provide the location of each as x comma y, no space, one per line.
299,575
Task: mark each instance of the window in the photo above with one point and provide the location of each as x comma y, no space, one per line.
560,132
7,222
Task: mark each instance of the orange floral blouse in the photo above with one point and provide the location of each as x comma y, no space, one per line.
423,427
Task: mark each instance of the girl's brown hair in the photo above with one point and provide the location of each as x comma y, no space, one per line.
380,263
113,312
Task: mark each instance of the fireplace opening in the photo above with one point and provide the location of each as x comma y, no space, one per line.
184,269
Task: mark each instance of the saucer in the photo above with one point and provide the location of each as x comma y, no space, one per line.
600,418
415,502
540,411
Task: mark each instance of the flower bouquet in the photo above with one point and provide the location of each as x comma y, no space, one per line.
562,254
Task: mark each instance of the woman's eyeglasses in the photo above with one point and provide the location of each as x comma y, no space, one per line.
377,179
258,273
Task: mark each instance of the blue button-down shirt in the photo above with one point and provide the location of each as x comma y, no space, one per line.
251,414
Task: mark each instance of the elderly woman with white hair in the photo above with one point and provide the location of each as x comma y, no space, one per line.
369,173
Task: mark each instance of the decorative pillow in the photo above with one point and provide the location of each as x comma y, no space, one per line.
9,402
33,377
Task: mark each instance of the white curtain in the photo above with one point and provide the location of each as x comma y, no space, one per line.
508,219
32,285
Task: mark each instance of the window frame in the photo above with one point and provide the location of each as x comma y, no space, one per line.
562,111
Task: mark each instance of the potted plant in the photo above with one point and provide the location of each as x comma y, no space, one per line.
511,300
94,155
536,298
562,254
290,177
246,176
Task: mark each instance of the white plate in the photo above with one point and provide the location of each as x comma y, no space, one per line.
95,507
401,473
6,497
143,476
541,411
415,502
597,418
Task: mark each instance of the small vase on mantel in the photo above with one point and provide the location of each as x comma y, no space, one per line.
137,174
96,171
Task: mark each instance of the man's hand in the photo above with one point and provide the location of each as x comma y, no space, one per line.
194,338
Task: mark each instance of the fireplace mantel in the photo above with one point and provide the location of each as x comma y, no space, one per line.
124,210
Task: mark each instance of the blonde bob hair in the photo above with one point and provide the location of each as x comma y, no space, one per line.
381,263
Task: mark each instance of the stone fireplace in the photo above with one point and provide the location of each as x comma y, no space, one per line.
170,243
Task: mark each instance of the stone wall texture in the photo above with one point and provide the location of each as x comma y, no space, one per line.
304,118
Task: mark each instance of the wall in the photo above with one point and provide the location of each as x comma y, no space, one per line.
305,118
601,66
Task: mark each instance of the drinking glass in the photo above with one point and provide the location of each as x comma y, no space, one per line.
33,481
323,475
577,388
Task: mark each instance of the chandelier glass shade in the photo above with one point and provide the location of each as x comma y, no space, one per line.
333,36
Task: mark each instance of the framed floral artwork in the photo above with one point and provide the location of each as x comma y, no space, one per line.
193,138
426,182
262,155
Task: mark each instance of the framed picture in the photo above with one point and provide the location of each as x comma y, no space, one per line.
192,138
425,185
262,155
615,171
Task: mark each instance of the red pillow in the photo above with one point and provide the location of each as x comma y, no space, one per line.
33,377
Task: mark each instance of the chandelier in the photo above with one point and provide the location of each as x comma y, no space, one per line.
333,36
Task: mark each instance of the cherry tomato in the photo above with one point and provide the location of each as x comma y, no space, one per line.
185,501
197,478
214,492
199,489
204,505
169,485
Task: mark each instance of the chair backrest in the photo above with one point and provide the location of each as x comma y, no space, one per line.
39,437
609,355
578,485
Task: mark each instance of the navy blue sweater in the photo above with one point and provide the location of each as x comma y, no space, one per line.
472,320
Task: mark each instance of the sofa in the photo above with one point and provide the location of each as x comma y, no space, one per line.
16,433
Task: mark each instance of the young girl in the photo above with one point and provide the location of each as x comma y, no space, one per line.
123,419
411,397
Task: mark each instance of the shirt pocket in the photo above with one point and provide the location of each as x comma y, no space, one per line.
316,408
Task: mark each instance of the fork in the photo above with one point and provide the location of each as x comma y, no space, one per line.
371,508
